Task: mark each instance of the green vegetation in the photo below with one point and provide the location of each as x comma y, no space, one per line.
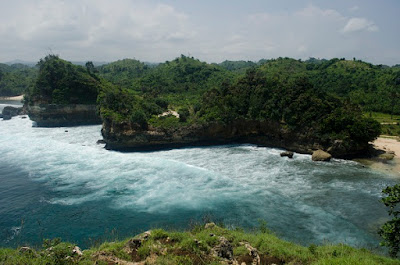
16,79
211,245
279,90
390,231
390,124
61,82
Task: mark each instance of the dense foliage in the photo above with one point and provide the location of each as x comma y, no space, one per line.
390,231
373,88
177,84
16,79
61,82
122,72
291,100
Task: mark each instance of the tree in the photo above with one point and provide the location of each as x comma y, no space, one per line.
390,231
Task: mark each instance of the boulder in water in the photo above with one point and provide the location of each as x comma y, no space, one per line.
320,155
287,153
9,112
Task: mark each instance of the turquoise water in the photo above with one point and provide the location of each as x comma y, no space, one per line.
57,182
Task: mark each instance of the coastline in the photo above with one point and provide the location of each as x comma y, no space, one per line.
16,98
385,143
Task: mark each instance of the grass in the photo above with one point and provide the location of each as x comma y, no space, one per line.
196,247
390,123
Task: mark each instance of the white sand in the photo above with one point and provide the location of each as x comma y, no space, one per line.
387,144
17,98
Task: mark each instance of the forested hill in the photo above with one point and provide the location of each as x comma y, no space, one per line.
278,94
15,79
372,87
61,82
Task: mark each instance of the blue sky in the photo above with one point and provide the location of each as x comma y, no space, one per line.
213,31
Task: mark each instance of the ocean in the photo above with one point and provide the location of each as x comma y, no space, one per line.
58,182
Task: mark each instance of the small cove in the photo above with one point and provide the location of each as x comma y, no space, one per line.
62,184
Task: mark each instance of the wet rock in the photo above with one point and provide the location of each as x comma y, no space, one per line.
9,112
100,141
320,155
287,153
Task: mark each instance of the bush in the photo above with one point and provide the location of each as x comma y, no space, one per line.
139,117
390,231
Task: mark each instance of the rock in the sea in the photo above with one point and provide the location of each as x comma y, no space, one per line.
320,155
287,153
9,112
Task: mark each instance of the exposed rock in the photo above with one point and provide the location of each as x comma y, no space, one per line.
135,243
168,113
52,115
224,249
126,136
100,141
320,155
27,250
386,156
210,225
9,112
253,252
77,251
288,154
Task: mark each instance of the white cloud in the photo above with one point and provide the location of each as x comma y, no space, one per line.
359,24
126,29
151,31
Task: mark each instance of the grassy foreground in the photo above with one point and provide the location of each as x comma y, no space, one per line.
203,245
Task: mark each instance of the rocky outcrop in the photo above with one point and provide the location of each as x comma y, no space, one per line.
126,136
320,155
52,115
9,112
223,249
289,154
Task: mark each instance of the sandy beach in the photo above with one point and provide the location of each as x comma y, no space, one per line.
16,98
387,144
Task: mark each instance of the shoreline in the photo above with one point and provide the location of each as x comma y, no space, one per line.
385,144
16,98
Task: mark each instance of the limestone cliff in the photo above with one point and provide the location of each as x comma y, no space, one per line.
126,136
53,115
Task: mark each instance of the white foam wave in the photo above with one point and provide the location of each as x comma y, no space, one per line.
254,181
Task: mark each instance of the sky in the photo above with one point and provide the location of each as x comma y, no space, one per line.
210,30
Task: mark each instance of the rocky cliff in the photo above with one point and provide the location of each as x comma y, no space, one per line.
53,115
131,137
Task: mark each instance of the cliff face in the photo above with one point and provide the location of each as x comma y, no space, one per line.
52,115
130,137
